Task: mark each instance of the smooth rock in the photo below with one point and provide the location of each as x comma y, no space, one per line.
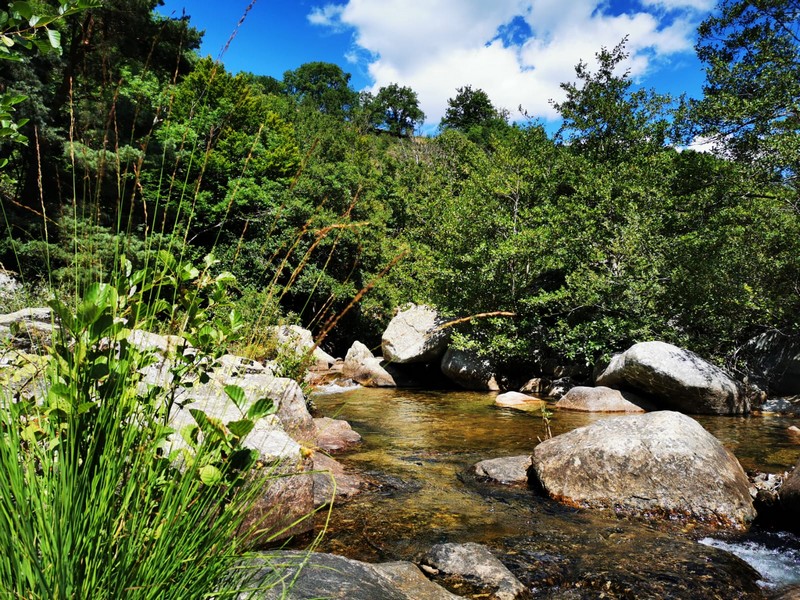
659,462
794,433
337,578
469,371
475,564
519,401
510,469
559,387
676,379
362,367
335,435
414,336
332,482
601,399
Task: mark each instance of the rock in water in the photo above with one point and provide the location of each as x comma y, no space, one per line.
414,336
660,462
477,565
601,399
469,371
364,368
510,469
675,378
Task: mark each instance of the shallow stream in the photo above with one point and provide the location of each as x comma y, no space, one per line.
419,446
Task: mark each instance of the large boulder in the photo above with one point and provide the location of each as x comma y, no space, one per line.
676,379
790,497
773,361
302,576
519,401
362,367
601,399
29,329
469,371
660,462
415,335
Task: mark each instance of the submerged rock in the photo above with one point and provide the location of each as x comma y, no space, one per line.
476,565
519,401
332,482
335,435
661,462
601,399
510,469
676,379
303,576
414,336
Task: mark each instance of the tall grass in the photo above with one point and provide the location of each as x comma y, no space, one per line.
95,500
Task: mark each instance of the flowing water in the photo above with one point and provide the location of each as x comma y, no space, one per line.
418,448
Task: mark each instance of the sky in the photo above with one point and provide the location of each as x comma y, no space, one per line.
517,51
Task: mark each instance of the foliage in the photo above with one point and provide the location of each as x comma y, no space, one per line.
321,86
751,51
395,108
109,510
472,112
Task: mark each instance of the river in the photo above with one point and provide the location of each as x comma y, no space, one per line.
418,448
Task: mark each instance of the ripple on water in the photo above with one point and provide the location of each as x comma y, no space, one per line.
775,555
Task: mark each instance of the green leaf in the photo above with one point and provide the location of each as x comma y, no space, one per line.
54,37
22,8
261,408
241,428
210,475
236,394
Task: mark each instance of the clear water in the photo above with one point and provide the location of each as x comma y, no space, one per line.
775,555
418,449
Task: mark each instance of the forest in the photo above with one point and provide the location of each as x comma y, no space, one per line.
117,136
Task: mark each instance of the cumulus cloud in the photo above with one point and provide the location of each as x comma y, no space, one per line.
436,46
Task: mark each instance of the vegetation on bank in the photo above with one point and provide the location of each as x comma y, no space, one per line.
611,231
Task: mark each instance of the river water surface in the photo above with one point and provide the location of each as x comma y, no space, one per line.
418,448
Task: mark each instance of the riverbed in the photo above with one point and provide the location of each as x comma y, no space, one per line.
418,448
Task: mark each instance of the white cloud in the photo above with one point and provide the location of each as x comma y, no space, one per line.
698,5
435,46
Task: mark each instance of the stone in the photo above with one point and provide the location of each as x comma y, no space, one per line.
519,401
675,379
29,329
780,406
790,497
362,367
414,335
656,463
601,399
773,360
475,564
794,433
557,388
335,435
510,469
9,285
302,341
469,371
332,482
303,576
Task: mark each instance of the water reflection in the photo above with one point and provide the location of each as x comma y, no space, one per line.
419,447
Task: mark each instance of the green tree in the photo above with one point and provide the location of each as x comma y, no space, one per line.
396,109
751,103
604,118
472,112
322,86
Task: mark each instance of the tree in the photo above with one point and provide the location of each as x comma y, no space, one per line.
751,104
603,117
323,86
396,108
468,108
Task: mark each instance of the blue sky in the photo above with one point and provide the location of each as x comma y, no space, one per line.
518,51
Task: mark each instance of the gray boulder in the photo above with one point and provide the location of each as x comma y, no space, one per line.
29,329
302,342
676,379
475,564
303,576
601,399
509,469
790,495
362,367
414,336
469,371
660,462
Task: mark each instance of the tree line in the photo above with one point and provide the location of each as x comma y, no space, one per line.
610,231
